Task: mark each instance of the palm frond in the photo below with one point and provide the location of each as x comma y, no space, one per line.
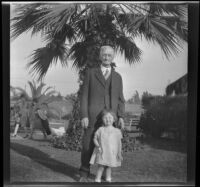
67,32
25,19
50,93
56,16
83,26
136,23
48,88
179,26
115,11
78,53
42,18
130,50
43,57
164,36
177,10
33,91
161,31
39,89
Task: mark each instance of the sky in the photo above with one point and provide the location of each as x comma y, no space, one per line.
152,74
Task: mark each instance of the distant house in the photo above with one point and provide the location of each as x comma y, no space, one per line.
178,87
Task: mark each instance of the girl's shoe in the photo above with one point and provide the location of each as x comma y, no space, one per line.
97,180
108,180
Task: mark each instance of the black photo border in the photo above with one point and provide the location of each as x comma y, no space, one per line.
193,136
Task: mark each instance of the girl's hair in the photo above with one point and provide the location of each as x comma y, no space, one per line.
106,111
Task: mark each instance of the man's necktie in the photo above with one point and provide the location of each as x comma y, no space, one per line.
106,74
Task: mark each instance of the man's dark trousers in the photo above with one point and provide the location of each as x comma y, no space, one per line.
95,123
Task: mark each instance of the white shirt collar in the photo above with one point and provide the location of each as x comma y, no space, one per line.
103,68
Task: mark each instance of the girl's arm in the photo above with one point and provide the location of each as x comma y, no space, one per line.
119,155
96,143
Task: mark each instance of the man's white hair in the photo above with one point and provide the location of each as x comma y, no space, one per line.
103,48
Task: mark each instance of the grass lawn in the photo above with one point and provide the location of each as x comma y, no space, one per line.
36,161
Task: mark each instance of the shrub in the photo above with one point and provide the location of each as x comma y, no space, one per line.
129,144
164,113
71,141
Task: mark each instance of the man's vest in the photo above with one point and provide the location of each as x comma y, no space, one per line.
107,96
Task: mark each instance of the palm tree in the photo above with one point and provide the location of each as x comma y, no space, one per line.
76,31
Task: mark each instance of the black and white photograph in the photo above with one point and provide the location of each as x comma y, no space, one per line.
98,92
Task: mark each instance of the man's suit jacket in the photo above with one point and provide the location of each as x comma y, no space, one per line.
93,93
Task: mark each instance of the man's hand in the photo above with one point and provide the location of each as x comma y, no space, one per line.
84,123
121,123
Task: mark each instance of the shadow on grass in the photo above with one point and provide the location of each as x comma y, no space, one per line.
166,144
44,159
40,140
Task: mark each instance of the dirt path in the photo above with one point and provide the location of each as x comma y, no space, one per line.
36,161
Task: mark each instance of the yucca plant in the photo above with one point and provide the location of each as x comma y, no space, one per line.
38,91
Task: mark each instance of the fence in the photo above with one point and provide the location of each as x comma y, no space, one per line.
131,125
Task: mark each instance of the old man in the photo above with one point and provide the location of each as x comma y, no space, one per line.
102,89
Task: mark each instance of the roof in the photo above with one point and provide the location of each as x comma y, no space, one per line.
179,86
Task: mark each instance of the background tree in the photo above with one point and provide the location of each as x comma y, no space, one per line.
135,99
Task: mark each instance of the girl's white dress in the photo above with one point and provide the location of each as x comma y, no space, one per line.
109,139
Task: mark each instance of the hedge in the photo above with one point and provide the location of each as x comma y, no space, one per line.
164,113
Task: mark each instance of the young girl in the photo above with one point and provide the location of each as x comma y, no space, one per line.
108,147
